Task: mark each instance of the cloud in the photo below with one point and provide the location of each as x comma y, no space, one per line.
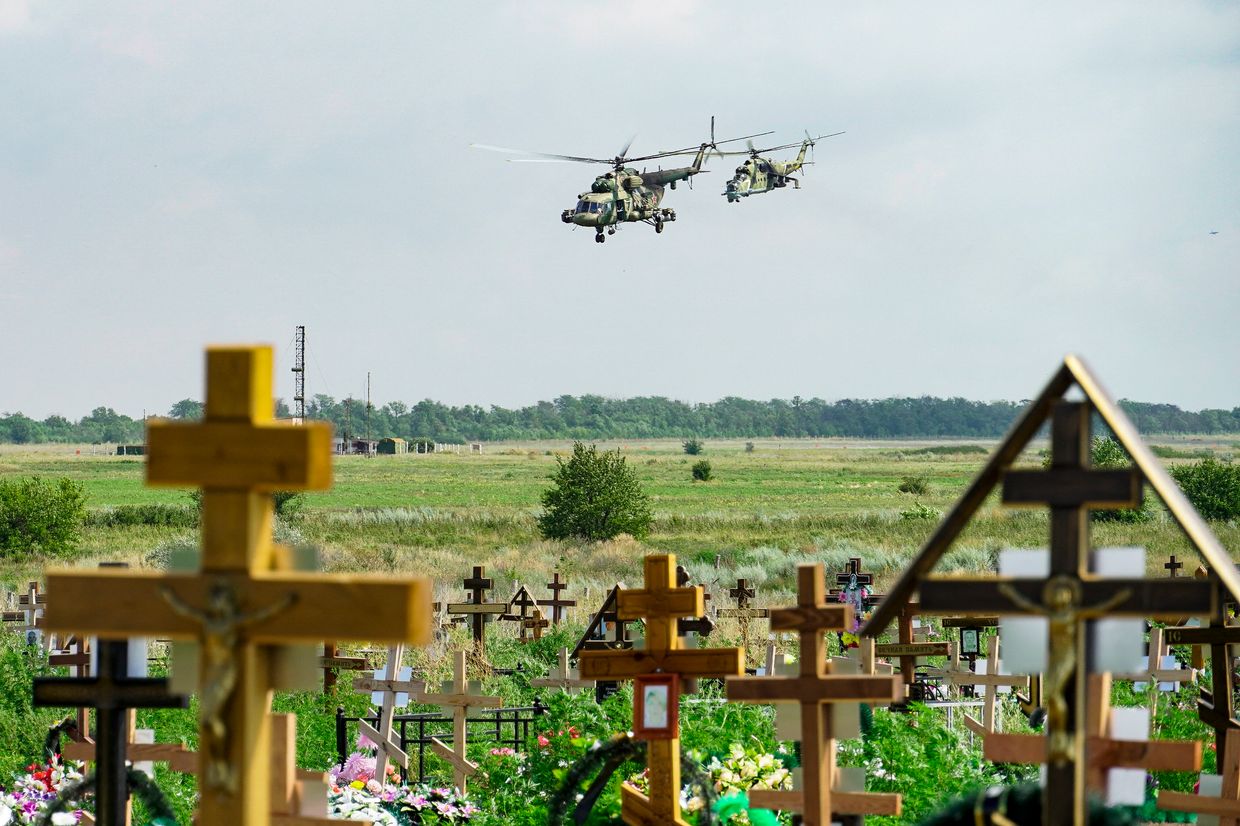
14,15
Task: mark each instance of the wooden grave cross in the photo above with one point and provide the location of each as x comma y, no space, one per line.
457,700
1156,672
1215,705
111,693
1172,567
76,657
991,682
1071,594
815,689
32,606
557,604
606,629
660,603
562,676
908,649
535,624
248,598
332,661
523,600
478,611
1103,752
390,688
969,654
851,577
1222,806
178,757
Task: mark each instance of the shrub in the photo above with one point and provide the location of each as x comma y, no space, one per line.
1106,452
749,447
701,471
595,496
1212,486
154,515
288,503
916,485
693,446
39,516
920,511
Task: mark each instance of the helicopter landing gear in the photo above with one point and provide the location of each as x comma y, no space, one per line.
611,230
599,237
658,223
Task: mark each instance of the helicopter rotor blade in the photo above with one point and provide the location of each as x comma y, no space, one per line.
625,150
542,155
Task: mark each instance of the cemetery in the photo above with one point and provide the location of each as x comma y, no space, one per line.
236,682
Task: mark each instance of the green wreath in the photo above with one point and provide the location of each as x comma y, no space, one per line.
610,756
141,786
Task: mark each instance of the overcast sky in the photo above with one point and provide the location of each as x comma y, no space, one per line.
1016,181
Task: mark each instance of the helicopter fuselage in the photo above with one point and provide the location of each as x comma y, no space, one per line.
626,195
758,175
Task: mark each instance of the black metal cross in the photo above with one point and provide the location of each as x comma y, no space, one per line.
111,693
853,573
556,604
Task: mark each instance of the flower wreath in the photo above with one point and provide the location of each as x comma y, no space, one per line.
142,786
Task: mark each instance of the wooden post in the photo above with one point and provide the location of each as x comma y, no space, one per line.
557,605
660,602
248,596
478,610
1226,806
389,689
457,700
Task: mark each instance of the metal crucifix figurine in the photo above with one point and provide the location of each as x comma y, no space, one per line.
222,622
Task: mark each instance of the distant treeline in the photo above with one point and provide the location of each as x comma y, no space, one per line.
647,417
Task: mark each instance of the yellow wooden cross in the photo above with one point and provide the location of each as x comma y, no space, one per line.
815,689
1226,806
247,597
456,697
660,603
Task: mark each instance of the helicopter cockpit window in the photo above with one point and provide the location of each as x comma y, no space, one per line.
583,206
595,206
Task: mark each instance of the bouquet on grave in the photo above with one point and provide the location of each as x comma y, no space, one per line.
356,794
31,793
740,770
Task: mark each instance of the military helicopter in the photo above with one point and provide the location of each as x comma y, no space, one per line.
758,174
625,195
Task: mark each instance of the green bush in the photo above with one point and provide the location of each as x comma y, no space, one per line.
916,485
920,511
153,515
1107,453
1212,486
39,516
749,447
288,503
595,496
693,446
701,471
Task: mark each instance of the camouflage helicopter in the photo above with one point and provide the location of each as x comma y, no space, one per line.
625,195
759,174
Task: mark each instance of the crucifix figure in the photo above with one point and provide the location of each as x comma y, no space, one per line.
660,603
248,599
556,603
478,610
815,689
112,693
457,700
1070,591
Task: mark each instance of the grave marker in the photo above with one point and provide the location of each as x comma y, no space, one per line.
478,611
815,690
1072,594
535,624
557,605
1217,801
562,676
331,661
389,689
524,600
457,698
660,603
247,597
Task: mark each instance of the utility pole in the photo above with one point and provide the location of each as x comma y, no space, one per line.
299,376
368,410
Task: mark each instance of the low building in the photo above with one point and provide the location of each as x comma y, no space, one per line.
393,446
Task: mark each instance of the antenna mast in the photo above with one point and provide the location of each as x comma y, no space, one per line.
299,376
367,405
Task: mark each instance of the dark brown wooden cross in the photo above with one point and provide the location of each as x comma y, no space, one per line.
536,623
111,693
845,577
523,600
1215,705
606,621
478,610
556,604
331,661
815,689
908,649
1071,595
76,657
1172,566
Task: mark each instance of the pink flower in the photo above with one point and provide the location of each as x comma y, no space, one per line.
543,741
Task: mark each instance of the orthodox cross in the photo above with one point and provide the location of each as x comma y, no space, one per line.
1215,705
850,578
536,624
1222,803
908,649
32,605
991,681
1072,594
524,600
178,757
1155,671
1172,567
701,625
457,700
742,593
1103,751
660,603
562,676
606,621
478,610
389,689
298,798
247,599
332,661
815,689
112,693
556,604
77,657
